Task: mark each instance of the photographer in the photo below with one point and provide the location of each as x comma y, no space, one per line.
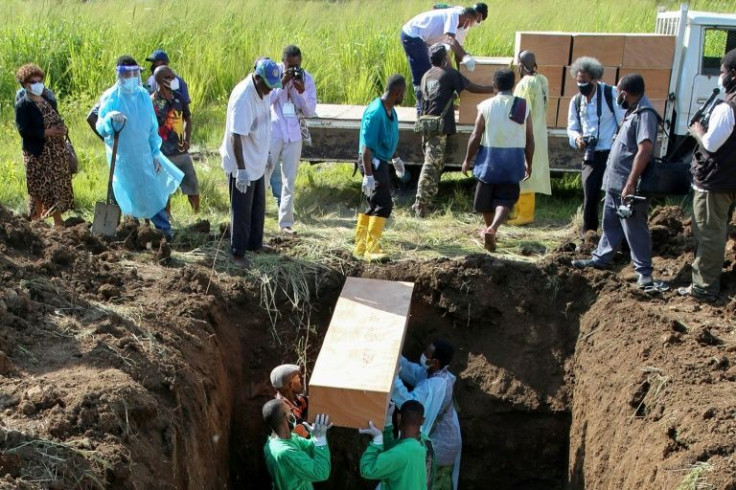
592,121
293,102
714,187
624,216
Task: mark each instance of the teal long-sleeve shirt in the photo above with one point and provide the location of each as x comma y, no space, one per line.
295,463
403,466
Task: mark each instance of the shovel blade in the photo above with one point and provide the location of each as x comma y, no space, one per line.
107,219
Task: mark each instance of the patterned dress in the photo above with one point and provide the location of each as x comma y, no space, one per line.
48,178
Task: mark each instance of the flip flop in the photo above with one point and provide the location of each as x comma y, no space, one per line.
656,287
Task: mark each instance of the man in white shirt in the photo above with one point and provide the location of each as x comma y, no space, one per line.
592,120
428,28
244,152
714,186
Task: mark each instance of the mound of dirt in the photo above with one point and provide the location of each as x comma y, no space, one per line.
119,371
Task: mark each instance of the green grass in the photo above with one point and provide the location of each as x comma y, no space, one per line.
349,46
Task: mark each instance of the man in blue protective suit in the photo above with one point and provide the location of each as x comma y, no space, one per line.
433,385
144,178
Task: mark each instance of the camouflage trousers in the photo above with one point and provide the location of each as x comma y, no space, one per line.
434,162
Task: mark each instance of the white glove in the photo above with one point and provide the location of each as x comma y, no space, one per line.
117,118
469,62
369,185
319,429
399,167
390,414
242,181
157,165
374,431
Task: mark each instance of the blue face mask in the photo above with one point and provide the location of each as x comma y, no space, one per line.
128,85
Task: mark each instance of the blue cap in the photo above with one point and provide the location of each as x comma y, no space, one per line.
158,55
269,71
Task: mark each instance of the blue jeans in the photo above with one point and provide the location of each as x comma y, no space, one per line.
634,229
161,221
276,183
419,64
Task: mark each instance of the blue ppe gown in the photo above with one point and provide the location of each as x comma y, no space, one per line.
139,190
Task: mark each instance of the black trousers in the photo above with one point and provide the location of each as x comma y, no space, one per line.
247,216
380,203
593,171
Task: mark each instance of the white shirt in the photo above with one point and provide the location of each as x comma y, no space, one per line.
249,116
720,127
432,26
589,119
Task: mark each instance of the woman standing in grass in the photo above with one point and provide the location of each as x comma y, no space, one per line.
48,176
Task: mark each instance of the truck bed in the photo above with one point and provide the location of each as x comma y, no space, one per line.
335,139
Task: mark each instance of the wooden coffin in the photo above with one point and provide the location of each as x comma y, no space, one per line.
356,366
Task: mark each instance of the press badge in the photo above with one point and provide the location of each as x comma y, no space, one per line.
289,110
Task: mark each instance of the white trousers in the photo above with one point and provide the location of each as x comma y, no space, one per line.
285,156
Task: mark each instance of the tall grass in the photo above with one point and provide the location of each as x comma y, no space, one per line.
349,46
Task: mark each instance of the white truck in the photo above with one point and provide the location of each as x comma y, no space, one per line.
702,39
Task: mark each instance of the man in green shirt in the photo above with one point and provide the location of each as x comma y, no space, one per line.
293,461
399,464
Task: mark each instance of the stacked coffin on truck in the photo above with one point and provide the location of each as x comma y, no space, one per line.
650,55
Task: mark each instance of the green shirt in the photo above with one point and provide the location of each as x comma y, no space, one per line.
295,463
401,467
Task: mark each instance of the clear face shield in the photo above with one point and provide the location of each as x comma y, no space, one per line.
129,78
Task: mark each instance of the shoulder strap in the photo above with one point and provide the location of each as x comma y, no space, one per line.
578,101
660,121
608,94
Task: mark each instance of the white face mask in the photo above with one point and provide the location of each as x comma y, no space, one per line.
423,361
36,88
174,85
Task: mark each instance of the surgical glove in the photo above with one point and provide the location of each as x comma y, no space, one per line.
242,181
374,431
157,165
469,62
369,185
390,414
319,429
117,118
399,167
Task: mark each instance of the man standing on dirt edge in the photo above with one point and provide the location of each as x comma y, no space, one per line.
293,461
175,128
379,136
714,187
400,464
244,152
433,387
625,217
505,136
535,89
592,120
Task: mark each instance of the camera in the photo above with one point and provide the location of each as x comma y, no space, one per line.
297,73
590,141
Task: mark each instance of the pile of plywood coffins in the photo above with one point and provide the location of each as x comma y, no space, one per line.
650,55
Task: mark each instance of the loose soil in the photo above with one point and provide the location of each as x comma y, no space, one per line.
124,366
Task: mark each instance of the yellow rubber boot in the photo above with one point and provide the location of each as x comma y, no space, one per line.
361,232
373,251
524,210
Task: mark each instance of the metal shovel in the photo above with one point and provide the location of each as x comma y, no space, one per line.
107,213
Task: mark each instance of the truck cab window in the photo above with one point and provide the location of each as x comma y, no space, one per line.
717,42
